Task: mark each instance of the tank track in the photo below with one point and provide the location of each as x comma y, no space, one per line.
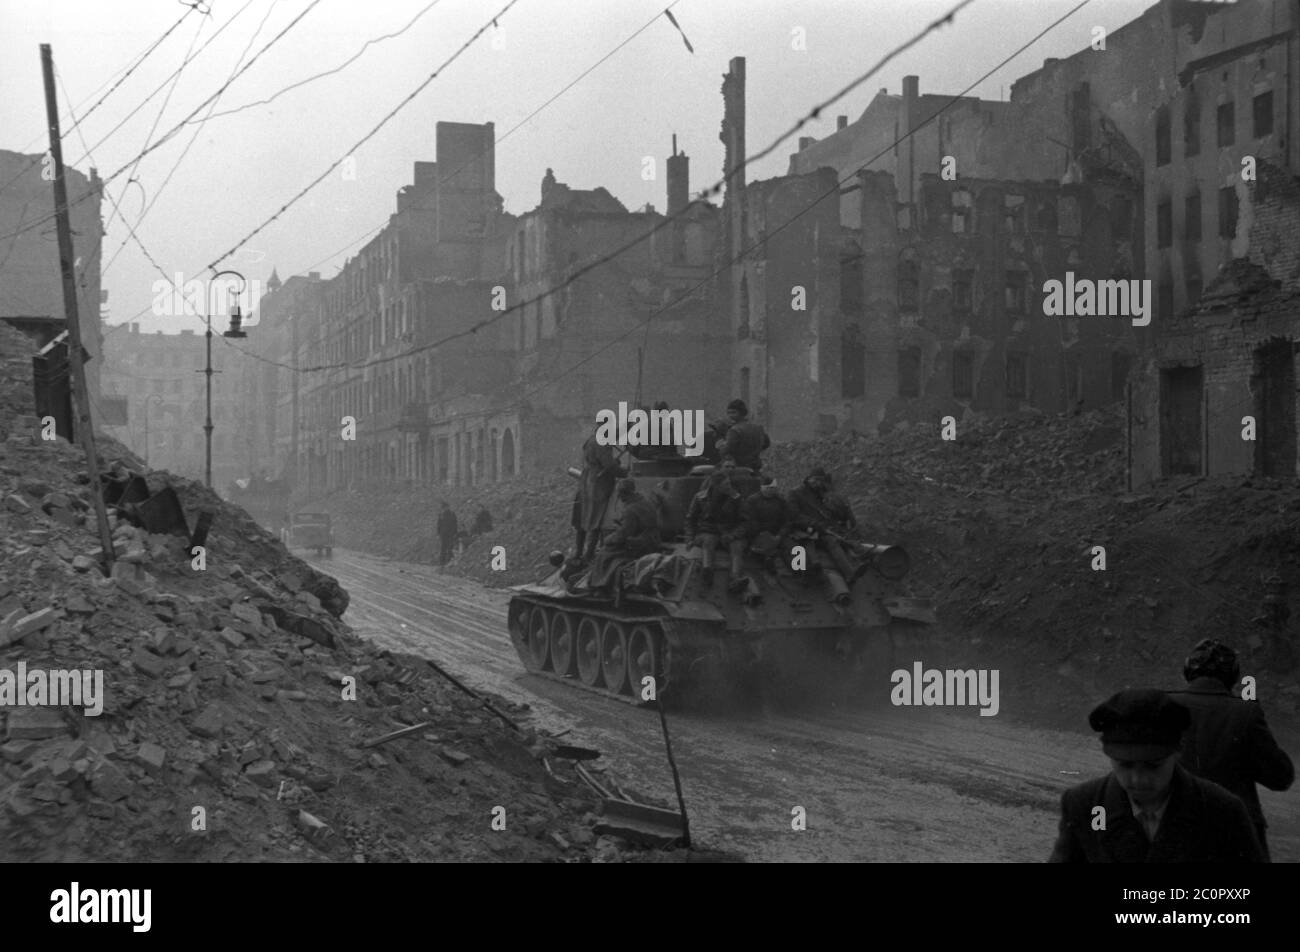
544,632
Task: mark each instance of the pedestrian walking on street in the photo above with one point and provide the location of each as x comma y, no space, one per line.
1149,809
448,529
1229,741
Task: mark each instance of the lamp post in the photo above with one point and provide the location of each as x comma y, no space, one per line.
235,332
148,400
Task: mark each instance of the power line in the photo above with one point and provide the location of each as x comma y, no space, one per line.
135,64
655,229
362,141
167,136
328,72
507,133
771,234
194,138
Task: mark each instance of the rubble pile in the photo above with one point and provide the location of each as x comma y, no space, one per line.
239,718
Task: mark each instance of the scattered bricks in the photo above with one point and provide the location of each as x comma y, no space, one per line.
54,501
19,805
38,537
182,645
268,692
559,841
262,773
34,723
312,827
134,553
101,810
292,695
78,604
47,791
209,722
211,671
181,680
36,621
231,637
248,614
319,780
151,756
265,677
37,640
164,613
377,761
126,572
163,641
18,504
310,600
65,517
101,742
16,751
110,783
61,769
454,757
148,663
35,487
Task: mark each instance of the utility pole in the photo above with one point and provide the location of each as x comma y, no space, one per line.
235,331
77,369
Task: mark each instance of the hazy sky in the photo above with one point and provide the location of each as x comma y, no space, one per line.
243,167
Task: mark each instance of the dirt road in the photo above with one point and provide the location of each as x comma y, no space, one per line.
896,785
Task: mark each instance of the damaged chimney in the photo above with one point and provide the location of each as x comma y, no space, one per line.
679,180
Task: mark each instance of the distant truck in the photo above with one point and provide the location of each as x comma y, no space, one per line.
312,530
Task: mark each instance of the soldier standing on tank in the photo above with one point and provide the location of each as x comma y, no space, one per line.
713,517
1229,741
600,470
744,440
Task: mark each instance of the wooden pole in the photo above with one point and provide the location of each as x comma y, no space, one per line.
677,780
81,396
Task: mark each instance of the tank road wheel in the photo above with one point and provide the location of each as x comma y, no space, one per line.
562,643
586,642
539,637
613,656
644,657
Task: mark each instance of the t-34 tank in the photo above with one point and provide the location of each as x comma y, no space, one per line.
661,619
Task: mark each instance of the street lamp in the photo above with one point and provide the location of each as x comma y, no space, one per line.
236,319
148,400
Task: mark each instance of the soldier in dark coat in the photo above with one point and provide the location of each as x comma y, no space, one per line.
713,517
1229,741
744,440
600,470
448,529
816,512
637,534
765,522
1151,809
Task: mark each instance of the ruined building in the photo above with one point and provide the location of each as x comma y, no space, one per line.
31,280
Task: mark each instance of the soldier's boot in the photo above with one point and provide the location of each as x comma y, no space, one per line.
738,581
707,547
839,592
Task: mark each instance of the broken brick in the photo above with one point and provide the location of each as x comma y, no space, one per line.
231,637
34,723
151,756
110,783
148,663
209,722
